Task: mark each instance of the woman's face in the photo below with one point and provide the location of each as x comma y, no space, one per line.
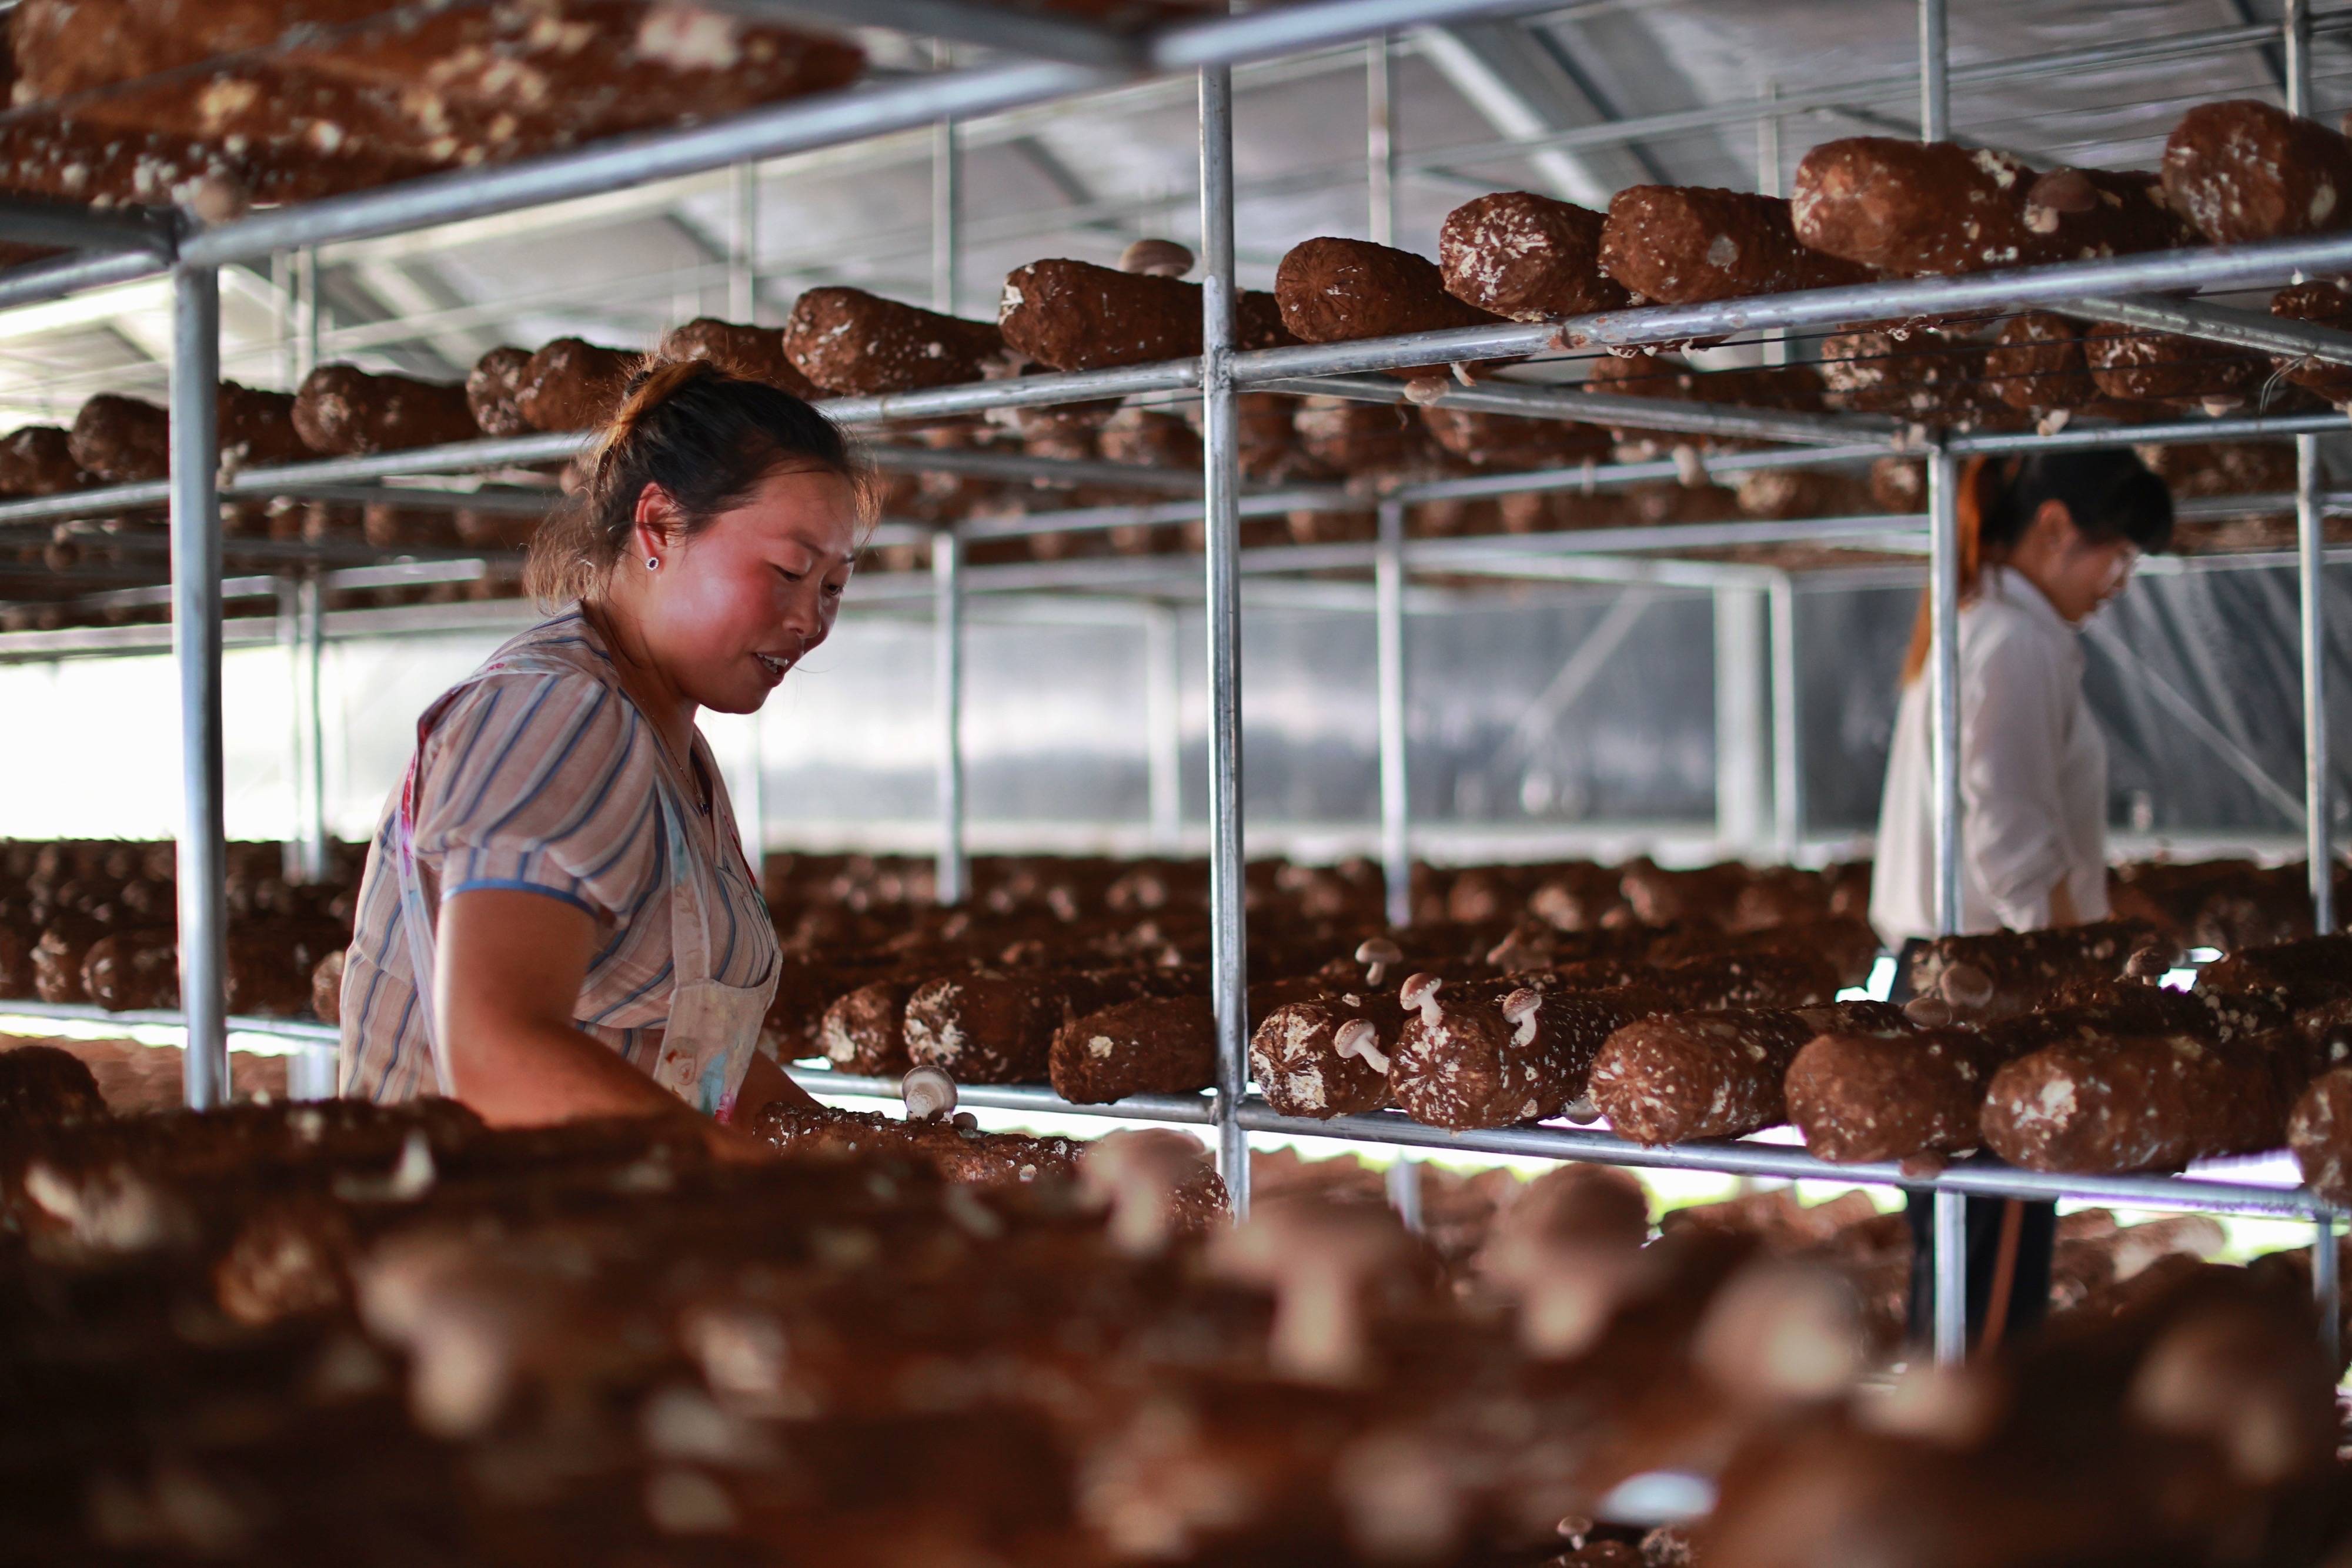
734,606
2077,574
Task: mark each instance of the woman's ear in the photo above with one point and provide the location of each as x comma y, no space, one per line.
656,520
2054,526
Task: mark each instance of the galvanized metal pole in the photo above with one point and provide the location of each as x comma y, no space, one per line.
1934,73
951,877
1163,726
1768,183
301,632
1741,672
1404,1190
307,314
1951,1228
2294,26
196,650
947,180
751,799
1396,800
1379,142
2318,805
743,248
2326,1286
1220,474
1787,731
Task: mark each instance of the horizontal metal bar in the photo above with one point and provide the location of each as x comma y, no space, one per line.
307,1030
1740,1157
1691,417
640,160
1289,29
2222,324
1037,36
1015,391
504,500
1617,476
1187,1110
2012,288
2078,438
37,281
1781,1160
29,220
984,463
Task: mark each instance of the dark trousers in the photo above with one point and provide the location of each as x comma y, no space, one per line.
2035,1229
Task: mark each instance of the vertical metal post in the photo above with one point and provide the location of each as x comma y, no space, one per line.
1229,978
1163,726
947,649
306,315
752,799
1379,142
301,632
1741,770
2318,806
2295,36
1943,675
1396,800
1951,1255
743,248
1404,1190
1788,732
1768,183
1950,1229
1935,81
2325,1286
197,651
947,178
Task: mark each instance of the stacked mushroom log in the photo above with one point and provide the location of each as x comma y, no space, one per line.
220,108
1865,208
230,1331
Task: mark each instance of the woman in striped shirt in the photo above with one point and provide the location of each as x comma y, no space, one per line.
556,919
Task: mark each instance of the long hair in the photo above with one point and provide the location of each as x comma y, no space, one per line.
708,438
2107,492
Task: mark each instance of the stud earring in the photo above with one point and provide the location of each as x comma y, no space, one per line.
653,563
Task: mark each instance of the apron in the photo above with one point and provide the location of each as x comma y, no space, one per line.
703,1051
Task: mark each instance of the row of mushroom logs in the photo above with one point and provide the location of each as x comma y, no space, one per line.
232,1336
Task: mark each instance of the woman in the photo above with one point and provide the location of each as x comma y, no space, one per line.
557,919
2043,544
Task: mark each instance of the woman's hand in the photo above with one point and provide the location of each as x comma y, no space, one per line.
766,1084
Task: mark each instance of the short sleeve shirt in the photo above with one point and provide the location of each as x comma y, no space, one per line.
539,774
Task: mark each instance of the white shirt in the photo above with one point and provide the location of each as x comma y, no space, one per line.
2033,777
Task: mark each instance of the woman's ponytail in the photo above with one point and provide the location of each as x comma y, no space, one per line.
1984,499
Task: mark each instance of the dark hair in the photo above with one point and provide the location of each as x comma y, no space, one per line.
706,438
2108,491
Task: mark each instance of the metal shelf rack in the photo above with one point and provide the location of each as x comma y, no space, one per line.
1048,62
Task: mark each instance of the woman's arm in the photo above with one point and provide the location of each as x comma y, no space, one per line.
764,1083
510,965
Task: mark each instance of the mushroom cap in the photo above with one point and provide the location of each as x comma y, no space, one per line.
928,1091
1966,986
1379,950
1351,1037
2148,964
1929,1012
2064,191
1155,258
1522,1003
1419,989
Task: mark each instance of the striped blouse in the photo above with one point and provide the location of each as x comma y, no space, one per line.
545,782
